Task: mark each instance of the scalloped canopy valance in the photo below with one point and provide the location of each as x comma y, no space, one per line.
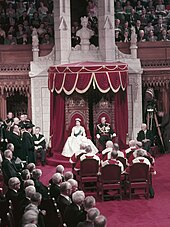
78,77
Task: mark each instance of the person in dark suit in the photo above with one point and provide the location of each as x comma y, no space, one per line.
8,167
40,187
15,139
28,144
104,132
91,215
39,145
145,136
55,186
12,194
64,198
75,210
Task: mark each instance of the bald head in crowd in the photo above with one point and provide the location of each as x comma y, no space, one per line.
29,191
14,183
30,217
56,178
8,154
28,183
89,202
100,221
68,175
36,174
74,185
92,214
31,167
132,143
78,197
65,188
109,144
60,169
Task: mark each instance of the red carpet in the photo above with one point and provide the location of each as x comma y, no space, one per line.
138,212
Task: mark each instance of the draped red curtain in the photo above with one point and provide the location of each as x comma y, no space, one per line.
121,117
57,122
66,79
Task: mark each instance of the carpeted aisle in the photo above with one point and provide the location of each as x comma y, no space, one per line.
137,212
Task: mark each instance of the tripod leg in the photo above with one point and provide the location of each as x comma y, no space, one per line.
159,131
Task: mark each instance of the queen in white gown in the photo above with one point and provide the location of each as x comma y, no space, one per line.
78,136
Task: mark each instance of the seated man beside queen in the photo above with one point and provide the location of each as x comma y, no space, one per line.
76,140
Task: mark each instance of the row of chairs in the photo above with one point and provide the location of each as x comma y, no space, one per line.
110,182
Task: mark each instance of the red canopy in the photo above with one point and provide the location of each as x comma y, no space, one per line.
79,76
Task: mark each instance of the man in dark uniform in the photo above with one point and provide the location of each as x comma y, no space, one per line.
145,136
15,139
28,144
39,145
104,132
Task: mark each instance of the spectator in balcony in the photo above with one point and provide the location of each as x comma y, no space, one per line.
128,10
47,39
151,37
148,28
163,36
2,35
150,6
42,10
159,27
126,37
31,10
126,27
133,17
10,40
118,36
35,21
20,9
19,34
91,9
23,17
160,7
153,17
139,8
10,11
144,18
41,31
118,26
119,12
138,27
26,26
141,37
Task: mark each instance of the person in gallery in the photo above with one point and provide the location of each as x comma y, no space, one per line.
78,137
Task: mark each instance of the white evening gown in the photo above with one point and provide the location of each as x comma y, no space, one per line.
72,145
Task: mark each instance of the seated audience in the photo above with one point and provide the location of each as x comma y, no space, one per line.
64,198
100,221
107,150
90,217
75,210
74,185
145,136
68,175
113,160
89,202
132,146
39,145
55,186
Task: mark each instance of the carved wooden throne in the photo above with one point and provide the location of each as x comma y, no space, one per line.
104,108
76,106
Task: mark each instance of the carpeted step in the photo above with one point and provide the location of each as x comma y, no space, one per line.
58,159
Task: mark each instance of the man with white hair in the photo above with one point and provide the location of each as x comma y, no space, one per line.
40,187
74,185
68,175
100,221
107,150
145,136
64,198
8,168
91,215
55,186
30,217
75,210
89,203
132,146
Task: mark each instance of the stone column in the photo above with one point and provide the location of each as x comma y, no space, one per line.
62,26
106,30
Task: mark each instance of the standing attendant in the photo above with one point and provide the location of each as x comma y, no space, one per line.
28,144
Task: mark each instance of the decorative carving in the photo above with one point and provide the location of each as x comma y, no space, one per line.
14,68
155,63
35,40
133,36
108,24
119,55
63,24
76,104
85,34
